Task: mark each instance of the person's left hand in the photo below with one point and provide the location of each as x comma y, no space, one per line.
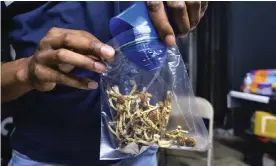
185,14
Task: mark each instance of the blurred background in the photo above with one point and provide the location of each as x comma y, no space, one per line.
230,58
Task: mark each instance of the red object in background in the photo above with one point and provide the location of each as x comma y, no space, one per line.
263,139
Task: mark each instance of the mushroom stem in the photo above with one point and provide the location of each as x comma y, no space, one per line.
136,120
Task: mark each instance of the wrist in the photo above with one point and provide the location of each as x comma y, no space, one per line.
22,75
14,79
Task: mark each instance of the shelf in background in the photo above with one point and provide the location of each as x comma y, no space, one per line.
235,98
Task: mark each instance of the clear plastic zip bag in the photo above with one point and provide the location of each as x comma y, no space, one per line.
147,99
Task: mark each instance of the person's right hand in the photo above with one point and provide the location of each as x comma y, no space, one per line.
58,53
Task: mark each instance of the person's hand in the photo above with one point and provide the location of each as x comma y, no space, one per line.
58,53
185,14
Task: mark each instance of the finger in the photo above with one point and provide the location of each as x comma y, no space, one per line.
160,20
204,6
94,57
44,87
55,33
44,75
66,68
64,56
79,41
193,8
180,16
56,30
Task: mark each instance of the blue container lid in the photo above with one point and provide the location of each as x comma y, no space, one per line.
133,17
135,36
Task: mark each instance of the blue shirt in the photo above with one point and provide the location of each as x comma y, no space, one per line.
63,125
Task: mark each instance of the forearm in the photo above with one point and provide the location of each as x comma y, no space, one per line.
14,79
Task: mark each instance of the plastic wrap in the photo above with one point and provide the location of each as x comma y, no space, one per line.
147,99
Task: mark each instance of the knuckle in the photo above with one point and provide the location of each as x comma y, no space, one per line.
59,77
176,5
154,6
37,71
42,88
194,4
95,46
52,31
66,39
37,57
43,44
59,54
204,3
85,33
204,6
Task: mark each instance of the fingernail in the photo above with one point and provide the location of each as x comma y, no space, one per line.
107,51
170,40
109,60
193,28
99,66
183,36
92,85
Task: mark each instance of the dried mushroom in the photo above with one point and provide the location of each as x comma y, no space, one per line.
138,121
